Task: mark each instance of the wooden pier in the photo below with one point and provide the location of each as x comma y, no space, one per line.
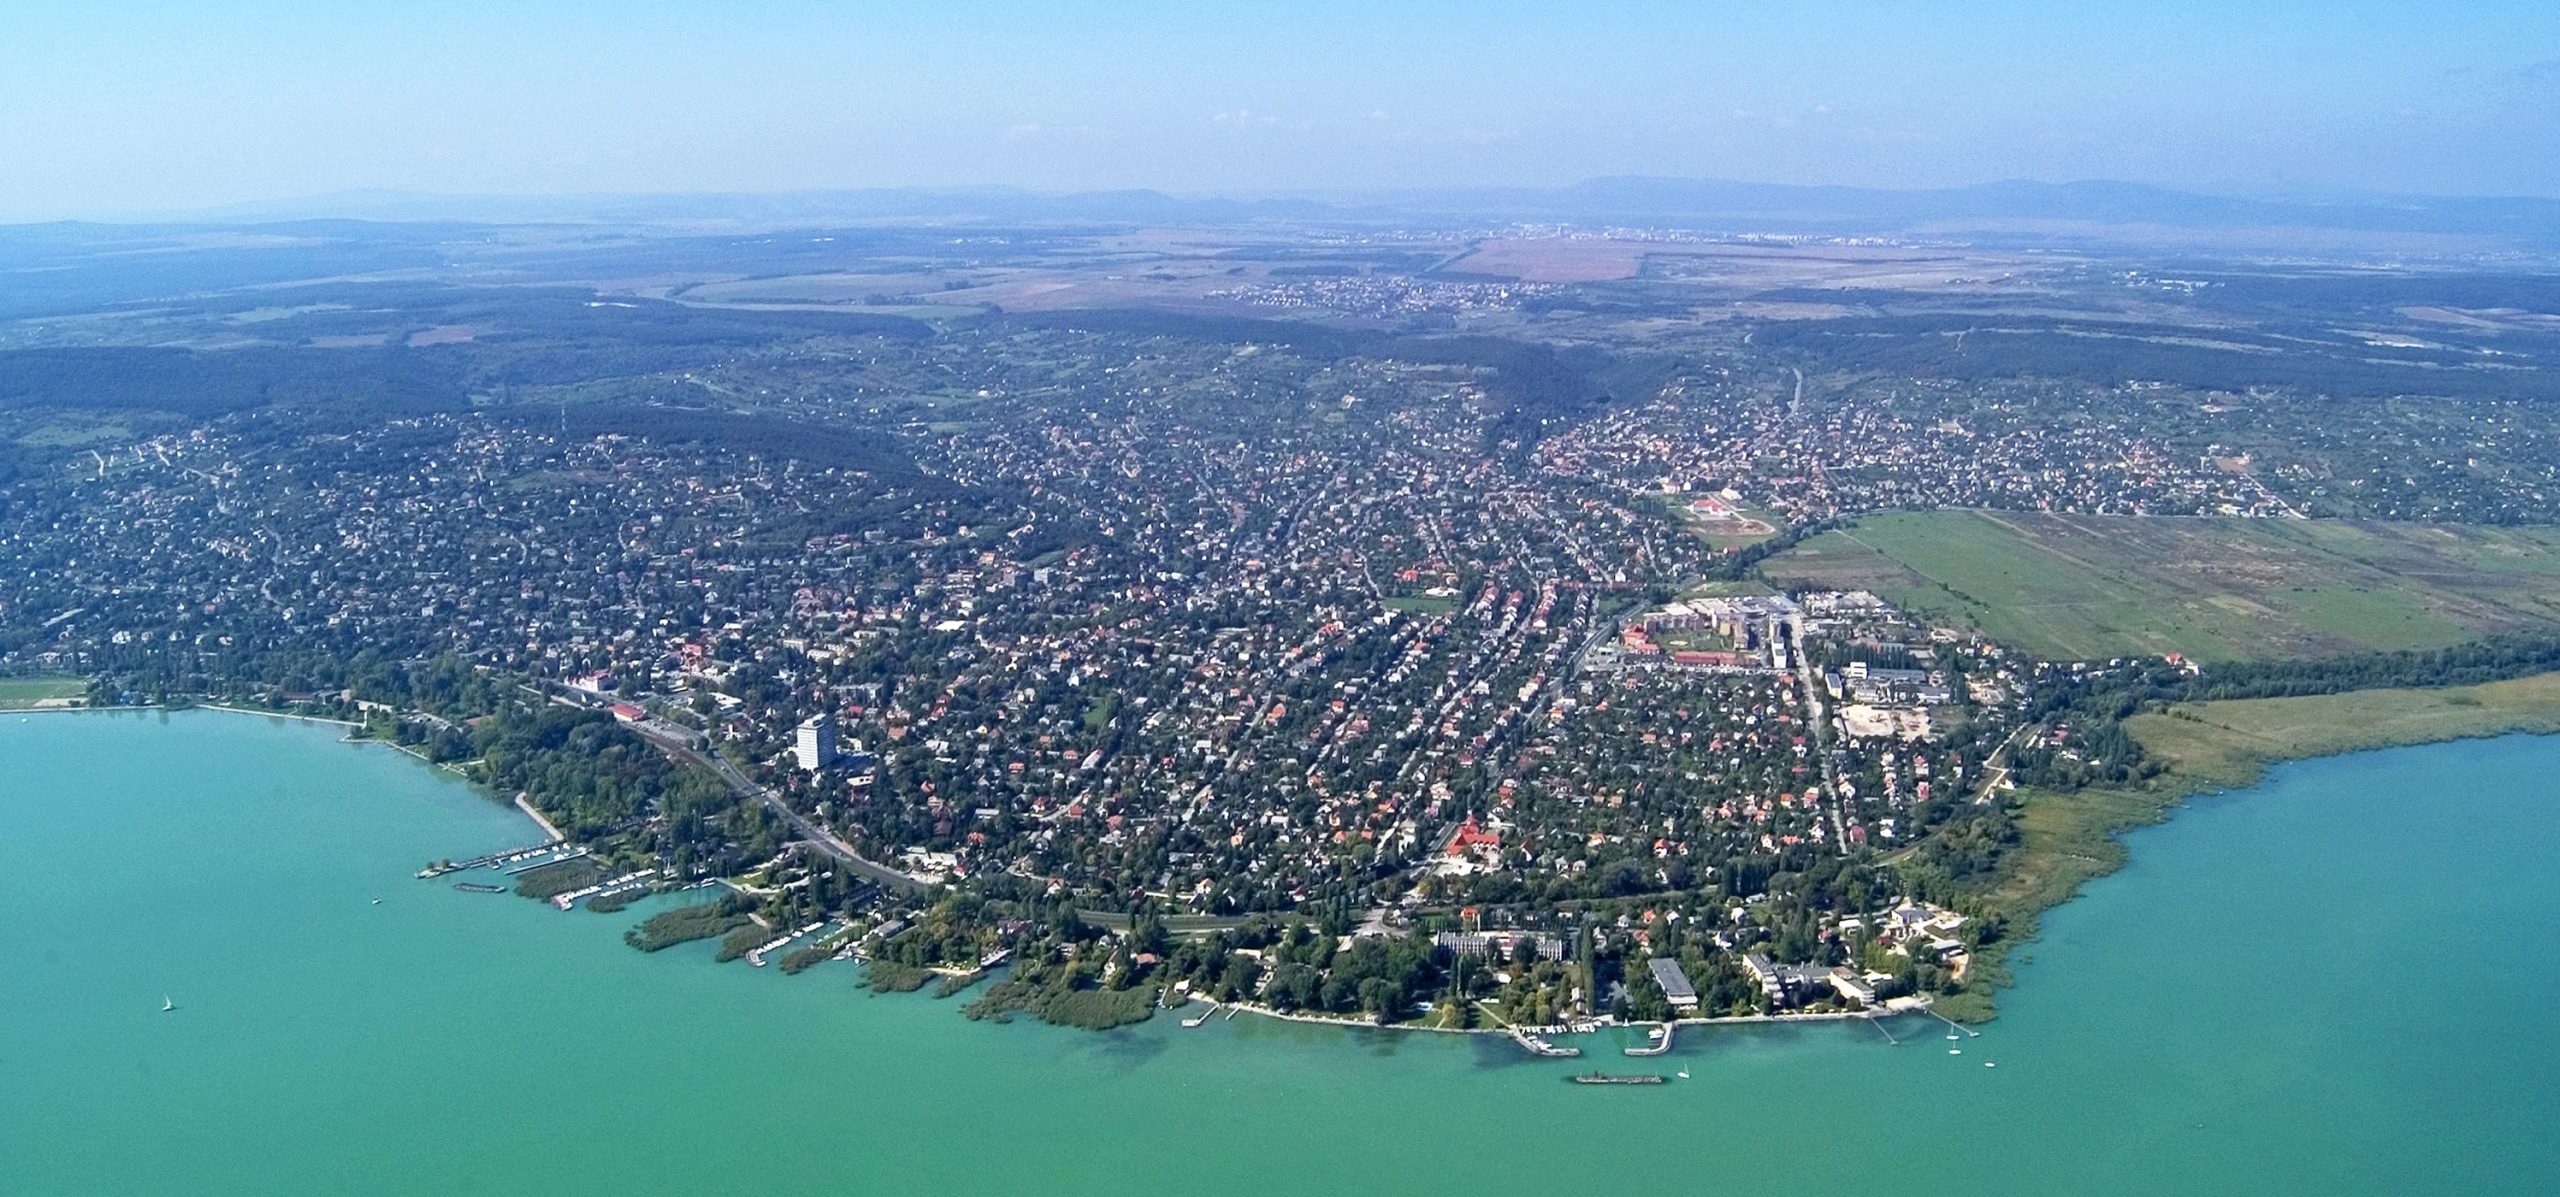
496,860
1970,1033
530,864
1539,1047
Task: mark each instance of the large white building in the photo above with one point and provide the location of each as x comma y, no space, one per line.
815,748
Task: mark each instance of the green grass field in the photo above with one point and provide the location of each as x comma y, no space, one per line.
76,432
2085,587
23,693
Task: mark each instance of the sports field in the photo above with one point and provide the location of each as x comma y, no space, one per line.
2087,587
25,693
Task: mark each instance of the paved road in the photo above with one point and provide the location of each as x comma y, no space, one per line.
1820,725
824,840
818,837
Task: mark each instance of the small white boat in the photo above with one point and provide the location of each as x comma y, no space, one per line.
167,1004
377,901
1684,1074
1955,1051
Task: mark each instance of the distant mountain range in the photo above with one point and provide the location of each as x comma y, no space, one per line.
2014,210
2094,202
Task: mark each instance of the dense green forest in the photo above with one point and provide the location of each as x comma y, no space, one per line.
2108,354
370,386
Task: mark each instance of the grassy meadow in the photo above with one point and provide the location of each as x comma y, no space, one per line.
2230,743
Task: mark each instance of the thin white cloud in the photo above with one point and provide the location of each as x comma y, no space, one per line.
1044,131
1246,118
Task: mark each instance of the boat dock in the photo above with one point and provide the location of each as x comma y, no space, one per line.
1660,1045
621,884
555,856
496,859
757,956
1540,1047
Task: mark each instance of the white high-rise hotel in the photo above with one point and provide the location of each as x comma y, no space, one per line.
816,747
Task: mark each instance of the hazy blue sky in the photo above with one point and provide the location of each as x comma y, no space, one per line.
122,107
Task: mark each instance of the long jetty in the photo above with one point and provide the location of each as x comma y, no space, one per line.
1970,1033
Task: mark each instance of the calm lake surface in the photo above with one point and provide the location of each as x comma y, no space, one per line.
2334,983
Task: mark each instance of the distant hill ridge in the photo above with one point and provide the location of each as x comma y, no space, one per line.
1635,200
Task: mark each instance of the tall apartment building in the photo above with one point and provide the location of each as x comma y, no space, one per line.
815,748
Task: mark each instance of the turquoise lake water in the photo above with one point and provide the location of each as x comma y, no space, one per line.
2334,983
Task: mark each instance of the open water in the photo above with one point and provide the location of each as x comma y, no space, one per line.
2338,982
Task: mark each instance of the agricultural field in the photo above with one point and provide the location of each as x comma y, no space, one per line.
2088,587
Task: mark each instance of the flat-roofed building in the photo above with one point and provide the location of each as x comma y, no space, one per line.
1674,982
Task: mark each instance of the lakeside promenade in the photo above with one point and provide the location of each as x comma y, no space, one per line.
526,806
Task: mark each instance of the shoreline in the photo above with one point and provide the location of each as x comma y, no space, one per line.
1256,1008
139,706
2070,838
2082,832
215,706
